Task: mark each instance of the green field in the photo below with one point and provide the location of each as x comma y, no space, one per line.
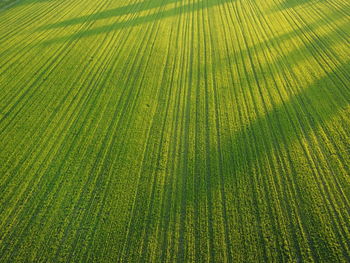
175,131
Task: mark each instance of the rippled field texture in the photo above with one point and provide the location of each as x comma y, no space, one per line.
174,131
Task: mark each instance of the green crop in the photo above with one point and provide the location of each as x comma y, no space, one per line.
174,131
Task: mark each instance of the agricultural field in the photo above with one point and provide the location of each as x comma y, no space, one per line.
174,131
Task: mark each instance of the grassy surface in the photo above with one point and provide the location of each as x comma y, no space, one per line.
172,131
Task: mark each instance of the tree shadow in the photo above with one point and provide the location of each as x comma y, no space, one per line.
115,12
237,164
296,132
9,4
295,124
137,20
286,4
